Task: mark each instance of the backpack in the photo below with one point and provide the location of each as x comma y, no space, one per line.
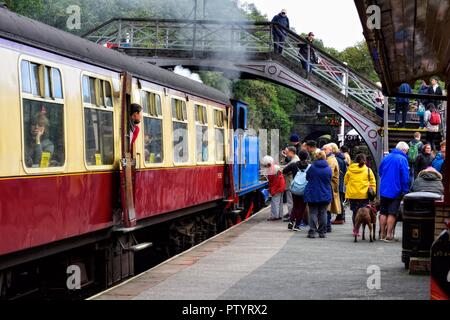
421,110
298,185
413,151
435,119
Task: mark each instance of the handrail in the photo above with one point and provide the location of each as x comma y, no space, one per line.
247,36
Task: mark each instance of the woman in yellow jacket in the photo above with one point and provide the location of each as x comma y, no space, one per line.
357,181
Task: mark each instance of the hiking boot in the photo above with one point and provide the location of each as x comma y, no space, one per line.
290,225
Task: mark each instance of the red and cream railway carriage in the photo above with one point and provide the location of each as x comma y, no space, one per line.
67,179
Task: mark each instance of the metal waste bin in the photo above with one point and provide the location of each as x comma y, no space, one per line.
418,225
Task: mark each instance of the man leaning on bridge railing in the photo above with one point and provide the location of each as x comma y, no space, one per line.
279,34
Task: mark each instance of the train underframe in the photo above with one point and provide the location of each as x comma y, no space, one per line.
77,268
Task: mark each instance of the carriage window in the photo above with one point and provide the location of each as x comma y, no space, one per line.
43,118
98,121
41,80
219,134
43,134
153,137
57,84
201,127
99,136
97,92
180,131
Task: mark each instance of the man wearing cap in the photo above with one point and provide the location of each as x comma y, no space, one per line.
294,141
279,34
303,51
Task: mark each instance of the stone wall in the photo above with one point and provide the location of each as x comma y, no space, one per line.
442,214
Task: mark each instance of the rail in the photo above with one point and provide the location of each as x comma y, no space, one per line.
235,37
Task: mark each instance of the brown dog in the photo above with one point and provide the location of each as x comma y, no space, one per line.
366,216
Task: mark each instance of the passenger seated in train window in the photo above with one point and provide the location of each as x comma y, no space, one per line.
40,149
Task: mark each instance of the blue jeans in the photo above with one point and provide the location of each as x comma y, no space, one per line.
422,121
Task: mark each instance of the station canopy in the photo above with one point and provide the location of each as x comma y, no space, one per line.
412,42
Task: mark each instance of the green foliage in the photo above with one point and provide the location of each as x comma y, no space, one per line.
266,111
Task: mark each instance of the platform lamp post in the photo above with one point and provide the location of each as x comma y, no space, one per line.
386,126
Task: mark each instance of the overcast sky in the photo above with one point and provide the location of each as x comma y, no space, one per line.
336,22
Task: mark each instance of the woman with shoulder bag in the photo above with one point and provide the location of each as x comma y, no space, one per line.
360,185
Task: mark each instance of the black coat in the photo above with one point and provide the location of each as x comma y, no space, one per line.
423,161
303,51
437,93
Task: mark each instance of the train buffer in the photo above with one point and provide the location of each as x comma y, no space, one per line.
258,259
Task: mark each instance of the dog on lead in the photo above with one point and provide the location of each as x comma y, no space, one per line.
366,216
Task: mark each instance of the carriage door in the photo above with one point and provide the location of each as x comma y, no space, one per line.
128,160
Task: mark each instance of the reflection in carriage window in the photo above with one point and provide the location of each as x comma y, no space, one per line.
43,134
219,134
180,131
99,137
153,143
201,133
32,73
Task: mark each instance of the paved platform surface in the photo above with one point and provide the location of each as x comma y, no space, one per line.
263,260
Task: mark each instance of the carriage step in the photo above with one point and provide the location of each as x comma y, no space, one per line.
140,246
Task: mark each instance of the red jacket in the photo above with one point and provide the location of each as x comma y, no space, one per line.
277,183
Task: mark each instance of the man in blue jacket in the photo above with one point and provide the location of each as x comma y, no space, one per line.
402,104
394,184
279,34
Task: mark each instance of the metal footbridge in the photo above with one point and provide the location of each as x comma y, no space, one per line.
246,50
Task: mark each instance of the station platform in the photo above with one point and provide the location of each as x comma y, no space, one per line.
262,260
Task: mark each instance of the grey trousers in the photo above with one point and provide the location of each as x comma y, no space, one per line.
289,201
276,206
317,218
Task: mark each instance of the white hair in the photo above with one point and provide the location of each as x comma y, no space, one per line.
267,160
402,146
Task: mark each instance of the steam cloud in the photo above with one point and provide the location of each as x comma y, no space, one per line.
187,73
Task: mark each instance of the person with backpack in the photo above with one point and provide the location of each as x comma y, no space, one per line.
424,160
358,179
297,188
415,148
318,195
433,120
277,185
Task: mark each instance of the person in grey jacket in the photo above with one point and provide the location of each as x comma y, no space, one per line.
428,180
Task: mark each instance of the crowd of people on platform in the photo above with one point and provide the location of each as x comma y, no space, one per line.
318,182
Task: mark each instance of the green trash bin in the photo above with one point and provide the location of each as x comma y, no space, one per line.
418,225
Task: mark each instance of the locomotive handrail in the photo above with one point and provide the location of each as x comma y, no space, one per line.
233,36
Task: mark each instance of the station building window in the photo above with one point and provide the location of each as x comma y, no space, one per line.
153,127
219,134
180,131
43,115
98,121
201,133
